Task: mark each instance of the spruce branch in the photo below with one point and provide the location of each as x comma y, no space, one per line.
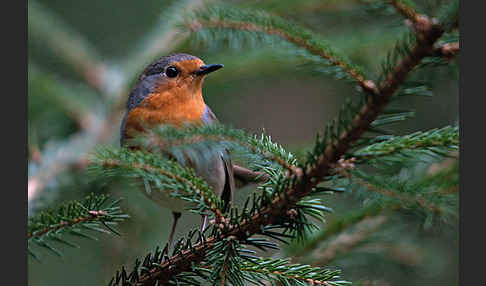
219,17
226,263
285,6
224,137
165,173
224,271
375,105
74,218
282,271
433,140
260,270
432,194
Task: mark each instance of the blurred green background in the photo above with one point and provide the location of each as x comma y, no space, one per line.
261,86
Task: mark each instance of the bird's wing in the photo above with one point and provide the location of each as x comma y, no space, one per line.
229,184
241,175
229,180
209,117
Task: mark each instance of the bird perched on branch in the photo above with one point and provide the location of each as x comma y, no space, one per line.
169,92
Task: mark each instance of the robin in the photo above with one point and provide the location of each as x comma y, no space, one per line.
169,92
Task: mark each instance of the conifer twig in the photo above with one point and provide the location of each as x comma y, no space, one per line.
367,85
71,218
288,276
226,264
210,133
376,104
93,215
209,201
446,137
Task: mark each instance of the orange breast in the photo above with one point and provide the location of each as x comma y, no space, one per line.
159,108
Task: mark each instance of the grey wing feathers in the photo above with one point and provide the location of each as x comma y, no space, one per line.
242,175
229,185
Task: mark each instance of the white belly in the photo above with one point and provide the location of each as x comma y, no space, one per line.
163,198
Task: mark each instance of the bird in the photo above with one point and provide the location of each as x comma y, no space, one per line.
169,92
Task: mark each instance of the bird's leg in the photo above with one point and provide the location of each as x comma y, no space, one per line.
176,215
204,219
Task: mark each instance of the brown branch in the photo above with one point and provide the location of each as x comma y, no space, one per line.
375,105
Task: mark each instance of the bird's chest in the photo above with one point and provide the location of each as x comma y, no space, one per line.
154,111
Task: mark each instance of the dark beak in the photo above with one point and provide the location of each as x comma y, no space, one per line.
205,69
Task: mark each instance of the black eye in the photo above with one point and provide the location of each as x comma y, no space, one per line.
171,71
